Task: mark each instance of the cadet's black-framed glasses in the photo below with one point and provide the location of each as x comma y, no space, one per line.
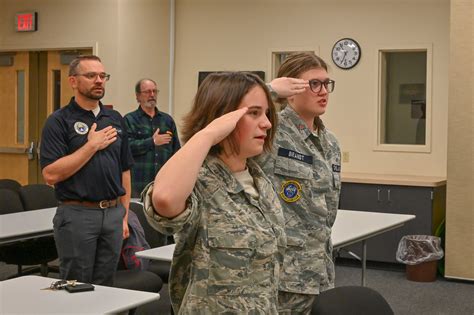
93,75
316,85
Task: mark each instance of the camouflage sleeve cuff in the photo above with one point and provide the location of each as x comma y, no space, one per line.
273,93
162,224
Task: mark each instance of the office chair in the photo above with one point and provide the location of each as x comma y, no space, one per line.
354,300
38,196
155,239
10,184
29,252
135,279
10,201
41,196
140,280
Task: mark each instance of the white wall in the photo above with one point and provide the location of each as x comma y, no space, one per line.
131,36
143,49
238,35
460,201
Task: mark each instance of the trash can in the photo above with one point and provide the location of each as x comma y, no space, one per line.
420,253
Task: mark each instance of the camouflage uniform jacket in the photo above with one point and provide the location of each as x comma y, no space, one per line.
229,246
305,169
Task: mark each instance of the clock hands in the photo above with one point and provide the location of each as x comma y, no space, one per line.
344,57
346,53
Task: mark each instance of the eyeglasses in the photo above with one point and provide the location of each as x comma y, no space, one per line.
316,85
151,91
93,75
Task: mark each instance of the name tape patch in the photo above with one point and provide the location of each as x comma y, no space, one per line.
295,155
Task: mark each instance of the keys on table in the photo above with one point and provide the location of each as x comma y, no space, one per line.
60,284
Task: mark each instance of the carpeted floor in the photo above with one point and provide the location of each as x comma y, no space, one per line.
404,296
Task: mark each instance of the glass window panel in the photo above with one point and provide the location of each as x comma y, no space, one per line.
20,107
278,57
56,89
404,97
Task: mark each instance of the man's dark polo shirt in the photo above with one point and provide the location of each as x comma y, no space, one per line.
100,178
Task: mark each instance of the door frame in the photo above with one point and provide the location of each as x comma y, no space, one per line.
34,172
52,46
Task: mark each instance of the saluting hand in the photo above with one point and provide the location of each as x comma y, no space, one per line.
286,87
221,127
160,139
103,138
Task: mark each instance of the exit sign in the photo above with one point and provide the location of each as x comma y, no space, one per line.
26,22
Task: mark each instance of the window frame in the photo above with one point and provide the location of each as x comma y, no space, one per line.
380,96
272,58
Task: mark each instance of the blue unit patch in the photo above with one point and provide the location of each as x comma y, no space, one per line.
290,190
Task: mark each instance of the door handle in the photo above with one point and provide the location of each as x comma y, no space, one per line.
378,195
31,151
388,196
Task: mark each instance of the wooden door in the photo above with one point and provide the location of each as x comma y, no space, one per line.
14,100
59,91
32,86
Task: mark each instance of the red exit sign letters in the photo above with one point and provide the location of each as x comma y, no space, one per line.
26,22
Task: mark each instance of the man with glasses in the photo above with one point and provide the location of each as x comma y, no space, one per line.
305,169
152,135
86,156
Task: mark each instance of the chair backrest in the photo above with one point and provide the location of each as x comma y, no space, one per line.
10,201
354,300
38,196
153,237
10,184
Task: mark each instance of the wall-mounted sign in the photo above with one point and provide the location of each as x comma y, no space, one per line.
26,22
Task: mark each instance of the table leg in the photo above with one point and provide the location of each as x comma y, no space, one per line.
364,260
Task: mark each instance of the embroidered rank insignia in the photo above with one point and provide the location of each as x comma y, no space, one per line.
290,190
81,128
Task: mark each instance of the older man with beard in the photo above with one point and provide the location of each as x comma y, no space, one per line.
152,135
86,156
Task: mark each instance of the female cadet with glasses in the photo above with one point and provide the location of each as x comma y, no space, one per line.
218,203
305,169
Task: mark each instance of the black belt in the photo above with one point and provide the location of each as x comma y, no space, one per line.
103,204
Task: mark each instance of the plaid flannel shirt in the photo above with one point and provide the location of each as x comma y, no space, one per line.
148,157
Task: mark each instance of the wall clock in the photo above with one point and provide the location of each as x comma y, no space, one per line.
346,53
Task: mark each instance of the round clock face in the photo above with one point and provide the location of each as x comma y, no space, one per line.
346,53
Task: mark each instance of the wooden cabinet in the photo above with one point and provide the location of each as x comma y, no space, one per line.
426,202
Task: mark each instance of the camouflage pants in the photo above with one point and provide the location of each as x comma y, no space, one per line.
295,303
